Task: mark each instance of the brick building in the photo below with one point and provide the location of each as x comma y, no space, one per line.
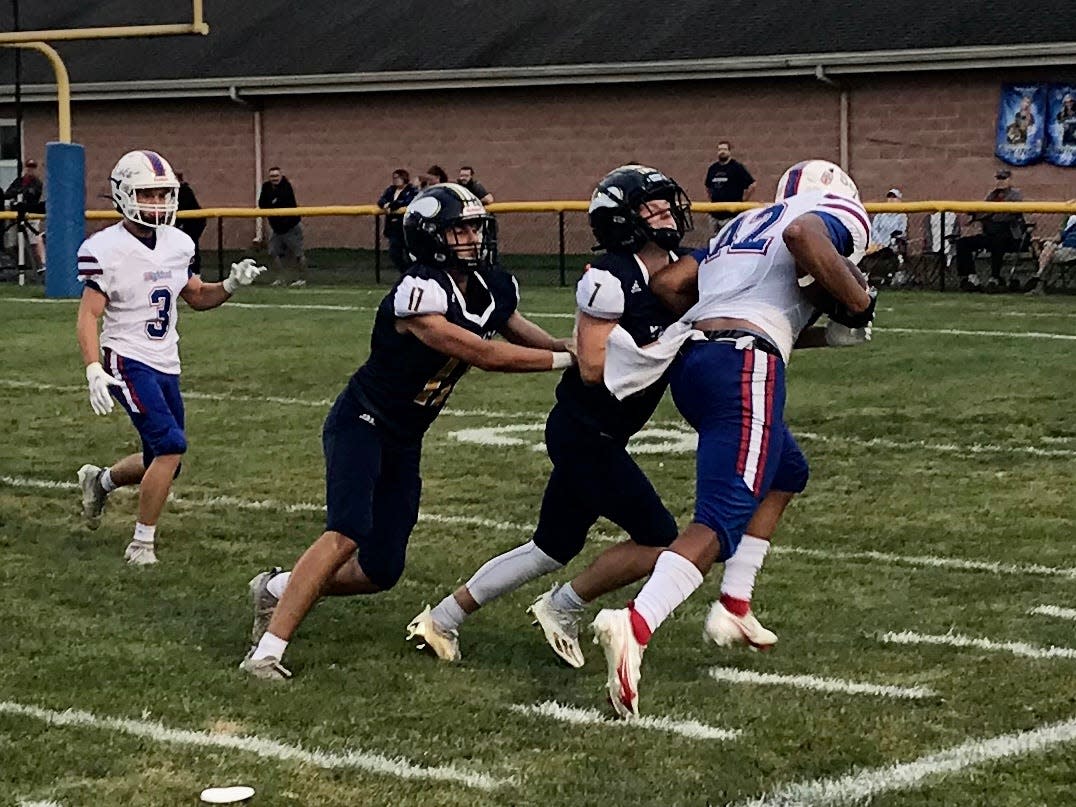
544,98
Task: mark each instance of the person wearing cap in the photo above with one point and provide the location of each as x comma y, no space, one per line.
889,238
1002,233
25,195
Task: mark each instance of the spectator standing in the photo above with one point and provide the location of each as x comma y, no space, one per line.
192,227
25,194
727,180
287,231
435,175
467,180
396,197
1002,233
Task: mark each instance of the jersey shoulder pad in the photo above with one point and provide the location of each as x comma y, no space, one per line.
502,286
92,263
851,214
416,295
179,240
600,294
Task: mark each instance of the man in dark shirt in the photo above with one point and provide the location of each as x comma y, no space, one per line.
25,195
467,180
287,236
192,227
727,181
1002,233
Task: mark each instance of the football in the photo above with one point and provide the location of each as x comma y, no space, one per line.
822,299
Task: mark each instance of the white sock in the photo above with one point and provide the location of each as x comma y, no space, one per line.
675,578
278,583
448,615
743,566
145,532
105,480
509,571
565,599
270,646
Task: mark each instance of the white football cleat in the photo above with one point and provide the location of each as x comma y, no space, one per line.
140,553
263,603
93,495
725,629
624,657
441,643
267,669
561,628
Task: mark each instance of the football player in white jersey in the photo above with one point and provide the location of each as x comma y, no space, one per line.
132,273
730,351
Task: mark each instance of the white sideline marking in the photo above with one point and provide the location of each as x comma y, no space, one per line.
1003,334
1053,610
510,526
858,787
814,682
25,803
943,448
956,640
322,403
561,315
592,717
270,749
931,560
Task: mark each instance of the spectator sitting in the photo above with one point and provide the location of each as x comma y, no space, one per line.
889,238
192,227
287,234
467,180
727,181
397,196
1060,251
1002,233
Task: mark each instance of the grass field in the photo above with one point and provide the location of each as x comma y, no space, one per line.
941,505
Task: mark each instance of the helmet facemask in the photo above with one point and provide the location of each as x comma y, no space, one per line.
668,238
470,243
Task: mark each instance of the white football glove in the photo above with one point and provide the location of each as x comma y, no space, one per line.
838,335
242,274
100,381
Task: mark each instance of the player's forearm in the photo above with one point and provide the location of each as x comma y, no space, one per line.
504,357
521,331
677,286
209,295
89,342
814,253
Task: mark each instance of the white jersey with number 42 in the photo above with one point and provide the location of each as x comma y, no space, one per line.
749,273
141,285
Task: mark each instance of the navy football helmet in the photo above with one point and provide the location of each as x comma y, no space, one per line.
614,209
428,229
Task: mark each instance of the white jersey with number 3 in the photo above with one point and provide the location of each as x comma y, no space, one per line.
141,285
749,273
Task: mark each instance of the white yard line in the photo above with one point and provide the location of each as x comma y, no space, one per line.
564,315
270,749
957,640
814,682
592,717
961,564
860,786
30,803
941,448
1054,610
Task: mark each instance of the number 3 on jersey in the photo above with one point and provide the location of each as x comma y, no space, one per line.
161,300
757,224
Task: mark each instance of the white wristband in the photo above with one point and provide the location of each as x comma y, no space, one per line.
805,281
561,360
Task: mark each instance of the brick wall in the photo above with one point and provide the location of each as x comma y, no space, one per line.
931,134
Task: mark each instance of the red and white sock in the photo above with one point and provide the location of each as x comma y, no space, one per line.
740,572
675,578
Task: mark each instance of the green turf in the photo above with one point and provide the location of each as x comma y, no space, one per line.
82,631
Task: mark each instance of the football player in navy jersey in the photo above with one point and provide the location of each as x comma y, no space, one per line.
639,216
436,323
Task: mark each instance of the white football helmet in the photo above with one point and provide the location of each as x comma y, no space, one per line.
816,175
139,171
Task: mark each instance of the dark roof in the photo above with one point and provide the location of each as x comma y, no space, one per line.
278,38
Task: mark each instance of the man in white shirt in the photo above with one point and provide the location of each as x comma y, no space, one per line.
132,273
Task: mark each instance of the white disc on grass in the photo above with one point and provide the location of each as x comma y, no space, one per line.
226,795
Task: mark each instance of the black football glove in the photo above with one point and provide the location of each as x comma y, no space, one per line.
855,319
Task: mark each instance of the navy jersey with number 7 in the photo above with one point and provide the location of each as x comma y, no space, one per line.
404,384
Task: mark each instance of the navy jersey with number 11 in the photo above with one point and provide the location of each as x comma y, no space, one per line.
404,383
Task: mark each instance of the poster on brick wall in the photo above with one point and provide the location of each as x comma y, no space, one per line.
1061,124
1021,123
